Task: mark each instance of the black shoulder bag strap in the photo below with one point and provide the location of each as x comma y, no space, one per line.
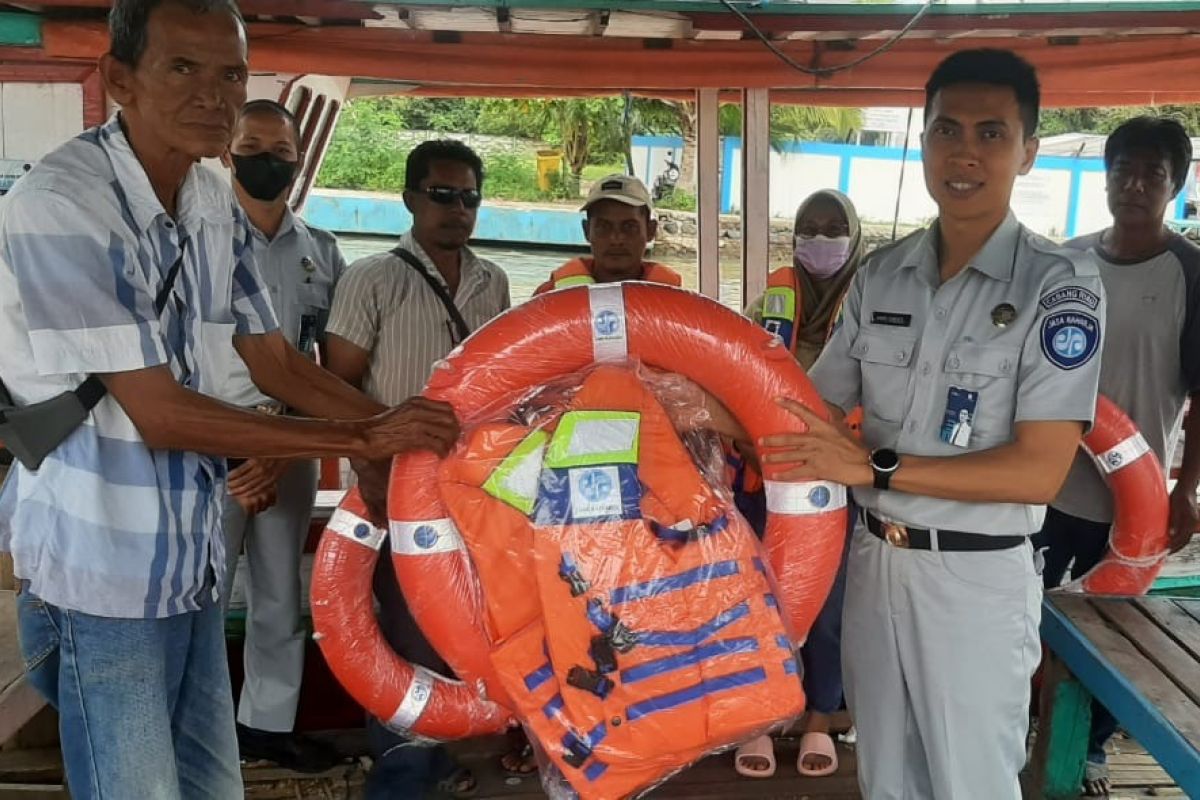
460,324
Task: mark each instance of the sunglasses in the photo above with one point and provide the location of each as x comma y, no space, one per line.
446,196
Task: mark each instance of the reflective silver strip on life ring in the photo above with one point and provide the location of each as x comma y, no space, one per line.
355,528
610,339
1122,454
416,698
425,537
804,497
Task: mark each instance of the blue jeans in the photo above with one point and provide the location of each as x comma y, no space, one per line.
145,706
402,768
1078,545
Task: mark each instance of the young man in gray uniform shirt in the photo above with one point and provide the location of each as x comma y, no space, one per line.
973,317
269,502
1151,360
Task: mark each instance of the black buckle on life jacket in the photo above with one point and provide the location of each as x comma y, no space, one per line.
622,638
602,653
589,681
577,750
571,574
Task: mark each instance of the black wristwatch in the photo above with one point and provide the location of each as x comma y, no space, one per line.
884,463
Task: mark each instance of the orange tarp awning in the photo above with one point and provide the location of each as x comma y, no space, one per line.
1093,72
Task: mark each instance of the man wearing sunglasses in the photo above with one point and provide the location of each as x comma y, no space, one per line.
394,316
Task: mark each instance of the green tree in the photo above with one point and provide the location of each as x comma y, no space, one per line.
1105,120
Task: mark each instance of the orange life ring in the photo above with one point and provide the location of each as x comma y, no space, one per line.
409,698
1137,546
550,336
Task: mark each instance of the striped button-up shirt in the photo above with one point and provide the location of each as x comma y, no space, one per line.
383,306
107,525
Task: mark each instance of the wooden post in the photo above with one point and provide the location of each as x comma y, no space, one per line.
1065,714
756,191
708,192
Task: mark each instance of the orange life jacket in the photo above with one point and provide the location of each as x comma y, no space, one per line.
783,307
578,272
633,625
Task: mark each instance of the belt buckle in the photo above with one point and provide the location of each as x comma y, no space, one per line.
895,534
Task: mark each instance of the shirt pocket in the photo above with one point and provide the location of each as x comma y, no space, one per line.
884,362
217,355
991,371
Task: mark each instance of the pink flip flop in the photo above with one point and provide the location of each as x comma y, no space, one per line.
817,744
761,747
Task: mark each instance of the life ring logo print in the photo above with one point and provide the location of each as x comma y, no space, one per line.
1070,338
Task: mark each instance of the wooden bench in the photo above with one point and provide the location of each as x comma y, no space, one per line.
1141,658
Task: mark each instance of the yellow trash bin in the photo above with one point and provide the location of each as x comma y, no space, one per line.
549,162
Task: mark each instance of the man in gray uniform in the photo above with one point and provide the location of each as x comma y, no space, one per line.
1151,360
975,318
269,502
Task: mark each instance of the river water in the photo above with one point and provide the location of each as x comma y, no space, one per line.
527,268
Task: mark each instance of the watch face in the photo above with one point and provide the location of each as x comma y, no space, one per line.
885,460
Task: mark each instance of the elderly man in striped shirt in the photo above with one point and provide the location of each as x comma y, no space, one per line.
122,258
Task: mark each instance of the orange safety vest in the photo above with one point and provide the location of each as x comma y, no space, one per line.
578,272
783,307
633,625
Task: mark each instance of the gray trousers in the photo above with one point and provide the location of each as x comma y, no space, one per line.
938,650
275,636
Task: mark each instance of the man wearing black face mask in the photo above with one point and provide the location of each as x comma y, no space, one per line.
269,502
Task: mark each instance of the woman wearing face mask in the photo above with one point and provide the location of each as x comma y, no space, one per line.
801,305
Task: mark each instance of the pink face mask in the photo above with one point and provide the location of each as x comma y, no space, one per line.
821,256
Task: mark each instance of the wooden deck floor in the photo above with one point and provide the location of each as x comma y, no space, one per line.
1135,777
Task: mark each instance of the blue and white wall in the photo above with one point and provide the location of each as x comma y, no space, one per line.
1061,196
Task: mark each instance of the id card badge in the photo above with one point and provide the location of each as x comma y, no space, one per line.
959,418
307,335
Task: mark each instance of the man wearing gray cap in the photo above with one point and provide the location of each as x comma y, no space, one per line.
620,223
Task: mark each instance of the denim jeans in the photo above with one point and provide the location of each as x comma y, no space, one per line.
145,706
402,767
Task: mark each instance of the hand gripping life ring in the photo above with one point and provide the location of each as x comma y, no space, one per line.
557,334
1137,546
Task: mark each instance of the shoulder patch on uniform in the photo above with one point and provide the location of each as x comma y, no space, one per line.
1070,338
1070,294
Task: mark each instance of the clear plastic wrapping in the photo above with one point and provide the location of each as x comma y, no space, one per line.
578,560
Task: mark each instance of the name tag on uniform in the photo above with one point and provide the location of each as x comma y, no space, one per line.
959,419
307,335
891,318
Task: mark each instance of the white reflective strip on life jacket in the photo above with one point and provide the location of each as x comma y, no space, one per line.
610,340
1122,454
424,537
356,529
420,690
806,497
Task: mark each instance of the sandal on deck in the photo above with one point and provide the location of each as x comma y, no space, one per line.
759,748
459,784
817,744
523,759
1096,779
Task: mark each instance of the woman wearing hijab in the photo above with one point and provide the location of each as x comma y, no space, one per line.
802,305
